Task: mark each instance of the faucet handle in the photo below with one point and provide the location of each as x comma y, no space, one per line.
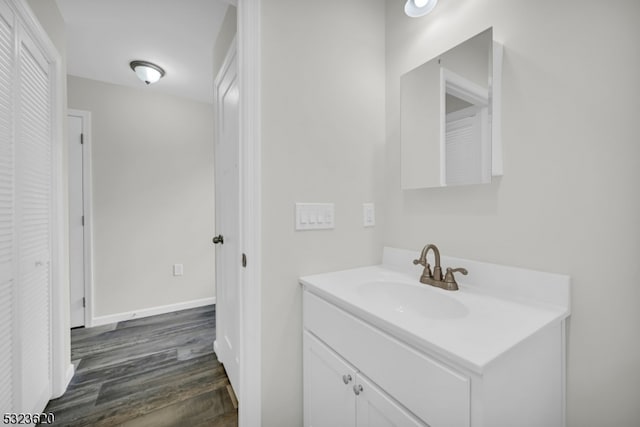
426,273
449,278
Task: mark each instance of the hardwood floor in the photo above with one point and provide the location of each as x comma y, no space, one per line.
156,371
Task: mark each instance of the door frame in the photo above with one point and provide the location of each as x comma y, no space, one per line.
249,72
61,367
87,211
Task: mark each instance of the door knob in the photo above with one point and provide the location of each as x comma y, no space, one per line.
346,378
357,389
219,239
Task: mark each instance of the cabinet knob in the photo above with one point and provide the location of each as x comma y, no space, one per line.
346,378
357,389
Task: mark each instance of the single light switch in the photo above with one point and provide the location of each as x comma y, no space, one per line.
369,214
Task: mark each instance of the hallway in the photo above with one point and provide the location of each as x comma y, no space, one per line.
154,371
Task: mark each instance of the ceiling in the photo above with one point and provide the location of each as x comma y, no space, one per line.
103,36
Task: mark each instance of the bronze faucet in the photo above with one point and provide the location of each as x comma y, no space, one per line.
427,277
435,278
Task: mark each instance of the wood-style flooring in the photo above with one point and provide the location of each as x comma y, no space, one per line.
156,371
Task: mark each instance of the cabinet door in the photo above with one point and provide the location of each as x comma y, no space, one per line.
374,408
329,399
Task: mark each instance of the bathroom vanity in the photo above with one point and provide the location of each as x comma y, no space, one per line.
382,349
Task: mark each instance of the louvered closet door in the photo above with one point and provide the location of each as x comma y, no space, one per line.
463,150
7,247
33,189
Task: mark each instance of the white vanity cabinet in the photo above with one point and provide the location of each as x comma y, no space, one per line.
400,386
491,354
336,394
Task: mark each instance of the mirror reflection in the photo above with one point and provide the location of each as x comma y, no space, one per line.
446,111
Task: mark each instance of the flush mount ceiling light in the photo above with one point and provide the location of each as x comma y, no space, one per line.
417,8
146,71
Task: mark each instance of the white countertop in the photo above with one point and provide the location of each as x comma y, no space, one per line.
494,318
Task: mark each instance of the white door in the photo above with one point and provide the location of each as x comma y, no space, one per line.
227,200
26,177
467,154
7,214
329,397
33,154
76,221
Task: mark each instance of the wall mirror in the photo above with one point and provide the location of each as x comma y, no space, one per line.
449,117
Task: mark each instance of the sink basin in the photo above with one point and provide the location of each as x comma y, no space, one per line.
412,300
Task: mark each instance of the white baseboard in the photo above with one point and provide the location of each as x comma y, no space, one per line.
152,311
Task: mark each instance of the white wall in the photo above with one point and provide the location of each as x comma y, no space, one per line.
322,141
568,201
153,205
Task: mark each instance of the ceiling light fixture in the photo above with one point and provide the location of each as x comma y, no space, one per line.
146,71
417,8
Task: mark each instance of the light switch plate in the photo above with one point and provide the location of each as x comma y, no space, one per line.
369,214
314,216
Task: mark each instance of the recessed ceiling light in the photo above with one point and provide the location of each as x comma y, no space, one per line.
417,8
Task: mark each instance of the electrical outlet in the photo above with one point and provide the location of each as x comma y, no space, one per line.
178,269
